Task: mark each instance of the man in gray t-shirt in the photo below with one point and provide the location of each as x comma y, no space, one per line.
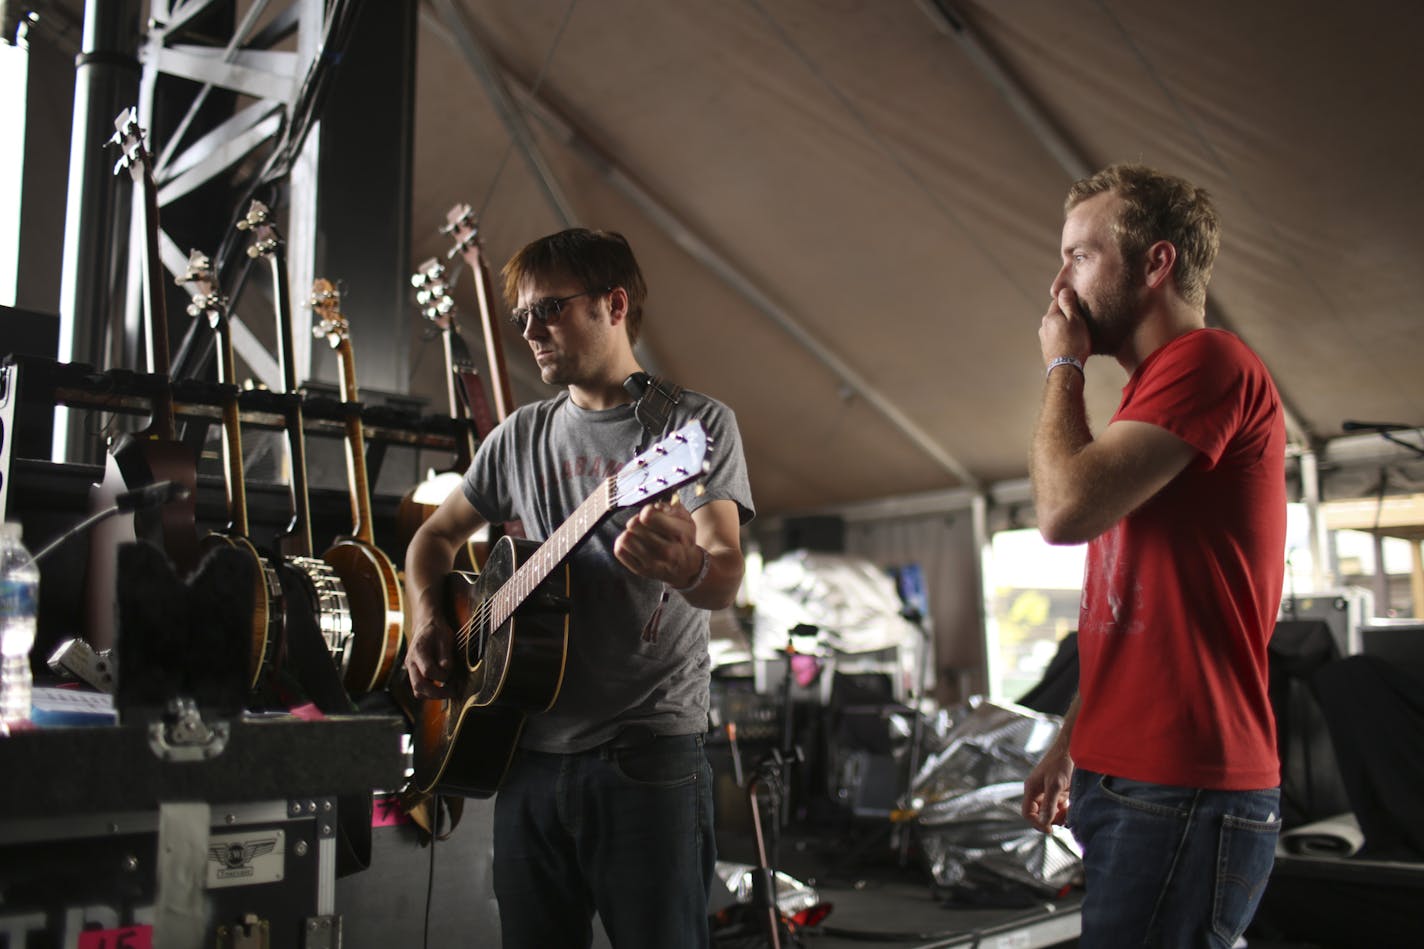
607,803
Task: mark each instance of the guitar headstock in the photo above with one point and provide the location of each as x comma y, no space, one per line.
461,224
326,307
672,462
202,284
128,137
265,236
432,292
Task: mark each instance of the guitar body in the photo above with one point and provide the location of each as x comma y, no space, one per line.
463,745
145,461
511,626
136,462
377,607
266,625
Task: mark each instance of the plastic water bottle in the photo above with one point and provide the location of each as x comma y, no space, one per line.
19,594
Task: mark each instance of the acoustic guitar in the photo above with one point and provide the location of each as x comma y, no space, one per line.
266,625
511,629
154,453
460,223
373,589
465,395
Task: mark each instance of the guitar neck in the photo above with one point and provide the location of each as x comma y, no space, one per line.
163,425
231,433
537,568
358,485
296,540
494,343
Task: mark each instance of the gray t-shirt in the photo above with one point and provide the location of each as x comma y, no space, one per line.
537,467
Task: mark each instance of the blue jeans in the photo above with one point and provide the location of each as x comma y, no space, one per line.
1170,866
626,832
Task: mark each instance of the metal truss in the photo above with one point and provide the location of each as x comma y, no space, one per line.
269,62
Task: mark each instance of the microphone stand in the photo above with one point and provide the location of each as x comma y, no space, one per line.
75,656
917,722
152,496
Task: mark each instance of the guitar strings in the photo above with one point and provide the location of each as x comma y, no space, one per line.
478,619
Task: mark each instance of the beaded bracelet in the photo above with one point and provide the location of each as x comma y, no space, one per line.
1073,361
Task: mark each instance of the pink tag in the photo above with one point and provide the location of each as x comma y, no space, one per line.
129,937
307,713
387,812
805,669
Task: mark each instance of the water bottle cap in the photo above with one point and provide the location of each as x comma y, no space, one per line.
10,530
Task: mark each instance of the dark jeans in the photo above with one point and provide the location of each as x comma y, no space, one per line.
1170,866
626,832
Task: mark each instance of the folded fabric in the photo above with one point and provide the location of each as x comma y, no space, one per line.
1337,836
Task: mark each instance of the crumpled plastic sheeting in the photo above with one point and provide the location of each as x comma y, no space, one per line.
967,796
853,602
792,896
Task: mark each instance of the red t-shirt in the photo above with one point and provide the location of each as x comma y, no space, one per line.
1180,596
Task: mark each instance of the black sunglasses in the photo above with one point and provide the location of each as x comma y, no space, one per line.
547,310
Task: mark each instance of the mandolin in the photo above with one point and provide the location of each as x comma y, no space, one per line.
325,593
209,303
154,453
373,589
512,629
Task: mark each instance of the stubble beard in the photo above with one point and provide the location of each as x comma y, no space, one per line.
1112,319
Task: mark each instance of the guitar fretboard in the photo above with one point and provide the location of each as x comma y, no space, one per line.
534,571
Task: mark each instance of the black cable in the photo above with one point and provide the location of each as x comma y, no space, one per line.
430,877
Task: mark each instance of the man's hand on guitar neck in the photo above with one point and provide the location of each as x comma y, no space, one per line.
699,554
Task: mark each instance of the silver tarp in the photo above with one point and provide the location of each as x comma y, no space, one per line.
966,798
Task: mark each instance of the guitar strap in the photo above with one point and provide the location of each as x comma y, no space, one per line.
654,399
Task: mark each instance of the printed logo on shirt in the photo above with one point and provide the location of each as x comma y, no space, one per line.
582,466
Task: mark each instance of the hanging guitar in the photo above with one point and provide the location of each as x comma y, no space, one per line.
325,594
469,408
154,453
373,590
460,223
209,303
511,629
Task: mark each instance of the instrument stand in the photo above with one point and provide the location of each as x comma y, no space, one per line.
917,723
769,773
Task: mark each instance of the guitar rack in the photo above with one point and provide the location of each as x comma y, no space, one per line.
49,498
31,386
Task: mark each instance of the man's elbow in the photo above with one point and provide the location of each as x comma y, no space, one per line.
1062,527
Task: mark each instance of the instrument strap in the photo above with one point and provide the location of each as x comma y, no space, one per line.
654,399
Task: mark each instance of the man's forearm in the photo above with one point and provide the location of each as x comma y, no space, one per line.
1061,433
717,590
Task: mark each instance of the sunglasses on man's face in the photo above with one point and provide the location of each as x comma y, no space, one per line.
547,310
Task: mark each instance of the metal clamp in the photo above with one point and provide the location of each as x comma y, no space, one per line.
182,735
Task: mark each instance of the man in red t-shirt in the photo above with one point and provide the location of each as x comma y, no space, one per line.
1168,753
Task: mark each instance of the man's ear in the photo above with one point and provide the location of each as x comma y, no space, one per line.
617,305
1157,263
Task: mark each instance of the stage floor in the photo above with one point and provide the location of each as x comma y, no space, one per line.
876,901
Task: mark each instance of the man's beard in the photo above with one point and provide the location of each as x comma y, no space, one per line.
1113,317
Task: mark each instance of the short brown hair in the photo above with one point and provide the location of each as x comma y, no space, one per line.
594,259
1159,207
